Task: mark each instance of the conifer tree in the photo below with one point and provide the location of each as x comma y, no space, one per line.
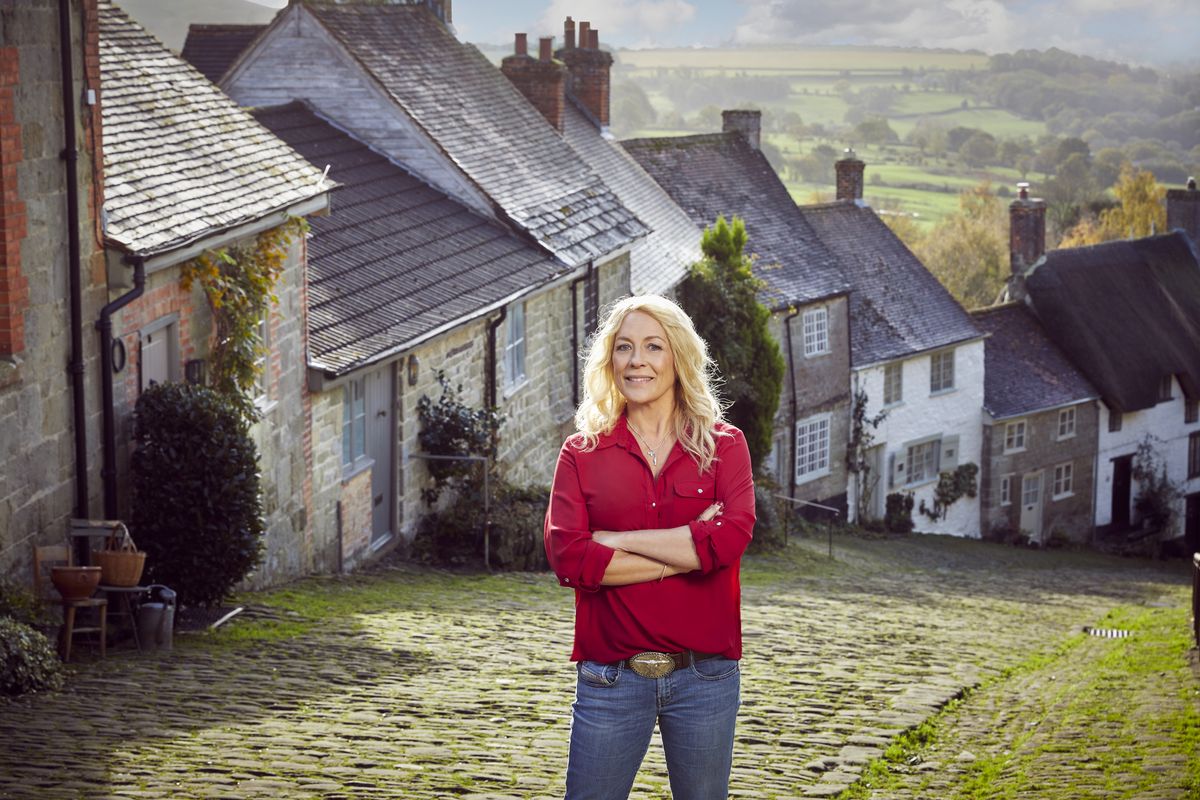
720,293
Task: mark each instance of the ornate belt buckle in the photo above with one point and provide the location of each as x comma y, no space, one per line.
652,664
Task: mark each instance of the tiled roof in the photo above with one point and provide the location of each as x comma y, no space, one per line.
711,175
1024,371
212,48
897,307
1127,313
395,258
486,127
181,161
659,260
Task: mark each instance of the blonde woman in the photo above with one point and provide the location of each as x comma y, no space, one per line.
651,509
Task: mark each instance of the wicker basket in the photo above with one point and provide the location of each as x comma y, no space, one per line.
120,562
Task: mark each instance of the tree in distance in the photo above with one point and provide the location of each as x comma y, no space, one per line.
720,294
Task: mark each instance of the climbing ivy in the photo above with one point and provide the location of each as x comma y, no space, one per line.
951,486
239,282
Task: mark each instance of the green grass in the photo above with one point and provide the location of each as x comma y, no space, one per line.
1096,701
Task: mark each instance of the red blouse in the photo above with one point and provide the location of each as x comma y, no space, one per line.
611,488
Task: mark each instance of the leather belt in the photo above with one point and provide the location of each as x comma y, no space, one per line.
652,664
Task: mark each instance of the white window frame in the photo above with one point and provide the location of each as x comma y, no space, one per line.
1066,423
939,383
1016,434
262,361
1034,480
354,419
514,348
1006,490
813,447
893,383
931,446
815,324
1064,480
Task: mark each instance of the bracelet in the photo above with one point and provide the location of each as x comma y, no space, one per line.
662,573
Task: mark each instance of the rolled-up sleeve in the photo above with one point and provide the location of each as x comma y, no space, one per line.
721,541
578,562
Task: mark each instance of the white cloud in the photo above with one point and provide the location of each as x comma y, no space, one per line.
643,19
1123,29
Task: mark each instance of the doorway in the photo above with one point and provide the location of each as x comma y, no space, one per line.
1031,506
1122,485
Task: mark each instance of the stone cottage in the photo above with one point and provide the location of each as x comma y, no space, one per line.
187,171
711,175
916,355
505,320
52,282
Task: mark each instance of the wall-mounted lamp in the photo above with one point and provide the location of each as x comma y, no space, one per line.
414,370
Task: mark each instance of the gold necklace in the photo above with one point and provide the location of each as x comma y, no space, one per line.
653,451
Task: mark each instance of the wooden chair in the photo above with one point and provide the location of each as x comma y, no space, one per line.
46,557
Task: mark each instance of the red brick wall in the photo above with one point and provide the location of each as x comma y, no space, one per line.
14,287
156,303
850,179
542,82
92,130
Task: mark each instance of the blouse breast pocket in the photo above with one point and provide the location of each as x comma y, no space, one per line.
695,495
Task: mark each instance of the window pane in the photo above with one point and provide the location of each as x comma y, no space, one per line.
812,447
1031,490
816,331
347,425
893,386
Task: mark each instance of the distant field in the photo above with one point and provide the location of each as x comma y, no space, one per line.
805,59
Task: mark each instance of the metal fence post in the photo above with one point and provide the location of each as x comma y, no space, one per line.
828,525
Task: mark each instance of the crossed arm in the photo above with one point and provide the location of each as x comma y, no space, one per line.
650,555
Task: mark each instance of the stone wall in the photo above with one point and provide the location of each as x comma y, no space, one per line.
37,480
1068,517
819,384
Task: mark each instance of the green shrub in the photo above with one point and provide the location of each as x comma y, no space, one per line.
28,662
898,514
454,537
449,427
196,506
19,603
771,519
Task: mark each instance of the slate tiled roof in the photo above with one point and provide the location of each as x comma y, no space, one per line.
1025,372
659,260
181,161
1127,313
897,307
485,126
710,175
212,48
395,258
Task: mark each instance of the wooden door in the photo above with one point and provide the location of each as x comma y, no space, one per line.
1122,484
1031,505
379,449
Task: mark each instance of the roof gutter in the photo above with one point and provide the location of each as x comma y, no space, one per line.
70,155
159,258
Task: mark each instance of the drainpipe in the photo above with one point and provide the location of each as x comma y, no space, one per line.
70,155
787,326
490,393
575,344
104,324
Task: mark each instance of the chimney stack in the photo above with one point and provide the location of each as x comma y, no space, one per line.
1026,230
1183,210
745,122
850,177
442,10
542,80
589,68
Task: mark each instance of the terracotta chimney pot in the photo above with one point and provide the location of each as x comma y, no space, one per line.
520,46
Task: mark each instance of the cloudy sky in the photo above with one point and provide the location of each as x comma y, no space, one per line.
1137,31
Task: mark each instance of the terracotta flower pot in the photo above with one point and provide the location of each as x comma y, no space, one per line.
75,583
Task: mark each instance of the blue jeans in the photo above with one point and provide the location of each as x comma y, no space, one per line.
614,714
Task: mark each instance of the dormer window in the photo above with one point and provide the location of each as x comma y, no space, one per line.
1164,389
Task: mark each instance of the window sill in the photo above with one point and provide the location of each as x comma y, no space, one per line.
1013,452
890,406
1068,437
1056,497
943,392
919,484
265,406
509,391
350,471
818,354
809,477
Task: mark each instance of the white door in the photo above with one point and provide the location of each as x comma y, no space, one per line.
1031,505
379,448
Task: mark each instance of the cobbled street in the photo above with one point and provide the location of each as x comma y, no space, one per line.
428,684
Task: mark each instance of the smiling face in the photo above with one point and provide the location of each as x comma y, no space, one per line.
642,362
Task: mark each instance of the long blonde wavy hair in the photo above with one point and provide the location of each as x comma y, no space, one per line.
697,410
